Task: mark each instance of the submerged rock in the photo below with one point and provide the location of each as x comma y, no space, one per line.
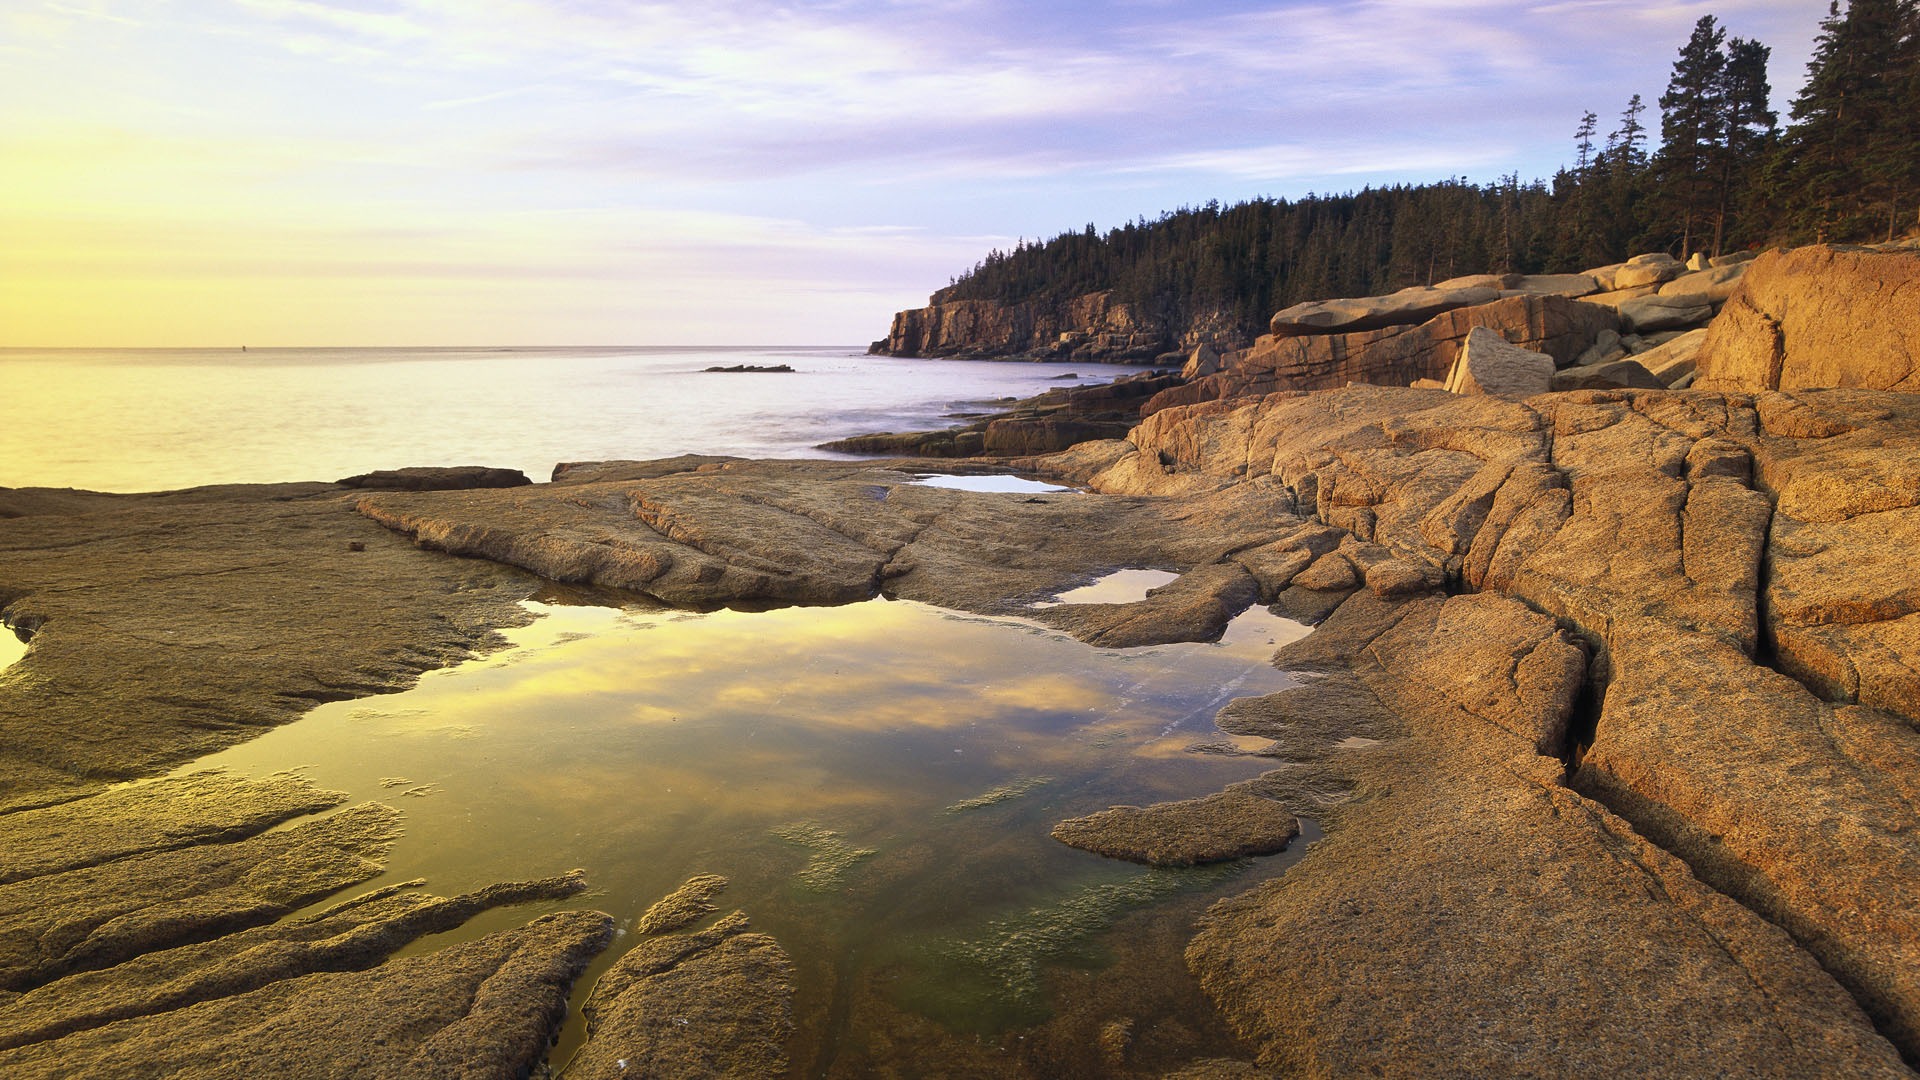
682,907
718,1002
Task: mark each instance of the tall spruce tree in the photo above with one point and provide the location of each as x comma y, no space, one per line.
1848,152
1749,125
1692,132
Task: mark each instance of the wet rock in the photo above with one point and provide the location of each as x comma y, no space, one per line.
1195,607
682,907
176,624
1819,317
96,916
205,808
718,1002
437,478
819,532
1231,824
483,1008
350,936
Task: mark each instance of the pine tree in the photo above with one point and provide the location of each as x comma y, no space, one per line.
1691,130
1749,126
1848,152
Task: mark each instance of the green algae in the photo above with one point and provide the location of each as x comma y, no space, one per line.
831,856
1006,792
994,980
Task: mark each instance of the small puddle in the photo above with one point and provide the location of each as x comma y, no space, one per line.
1006,485
877,780
12,647
1119,587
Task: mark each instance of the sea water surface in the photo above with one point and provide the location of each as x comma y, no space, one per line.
158,419
876,780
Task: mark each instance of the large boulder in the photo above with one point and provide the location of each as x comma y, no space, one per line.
1397,356
1715,283
1488,364
1651,269
1404,308
1819,317
1665,311
1671,361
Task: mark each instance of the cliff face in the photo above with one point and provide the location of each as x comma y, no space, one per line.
1091,328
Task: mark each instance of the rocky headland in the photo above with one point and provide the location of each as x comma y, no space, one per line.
1609,716
1091,328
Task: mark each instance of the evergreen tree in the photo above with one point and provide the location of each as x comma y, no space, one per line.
1692,131
1749,125
1848,153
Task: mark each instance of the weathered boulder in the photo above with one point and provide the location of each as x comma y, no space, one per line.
1665,311
1487,364
1715,283
1396,356
1801,810
1819,317
1463,896
1204,361
1404,308
1650,269
1569,285
1675,359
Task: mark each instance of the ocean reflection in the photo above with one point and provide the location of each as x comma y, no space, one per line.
875,779
12,648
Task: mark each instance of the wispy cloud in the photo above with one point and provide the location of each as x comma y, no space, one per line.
786,144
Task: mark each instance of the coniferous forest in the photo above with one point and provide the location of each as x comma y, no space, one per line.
1714,170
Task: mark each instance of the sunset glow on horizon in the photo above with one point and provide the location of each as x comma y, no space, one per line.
449,172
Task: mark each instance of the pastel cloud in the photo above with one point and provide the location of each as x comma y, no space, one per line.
852,148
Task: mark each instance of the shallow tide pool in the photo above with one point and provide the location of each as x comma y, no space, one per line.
876,780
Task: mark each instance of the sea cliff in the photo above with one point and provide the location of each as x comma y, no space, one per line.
1091,328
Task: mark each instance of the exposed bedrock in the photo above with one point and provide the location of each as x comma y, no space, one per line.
168,626
1731,561
824,532
1469,915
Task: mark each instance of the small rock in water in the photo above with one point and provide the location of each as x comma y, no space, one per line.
683,906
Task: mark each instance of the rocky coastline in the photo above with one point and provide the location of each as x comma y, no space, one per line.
1611,715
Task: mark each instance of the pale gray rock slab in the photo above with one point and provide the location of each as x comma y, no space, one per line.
1490,365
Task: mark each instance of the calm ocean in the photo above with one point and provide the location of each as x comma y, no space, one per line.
157,419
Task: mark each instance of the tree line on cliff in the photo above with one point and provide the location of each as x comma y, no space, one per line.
1724,175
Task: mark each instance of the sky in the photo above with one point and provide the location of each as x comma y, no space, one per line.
574,172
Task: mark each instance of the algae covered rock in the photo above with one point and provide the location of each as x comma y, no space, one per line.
1231,824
